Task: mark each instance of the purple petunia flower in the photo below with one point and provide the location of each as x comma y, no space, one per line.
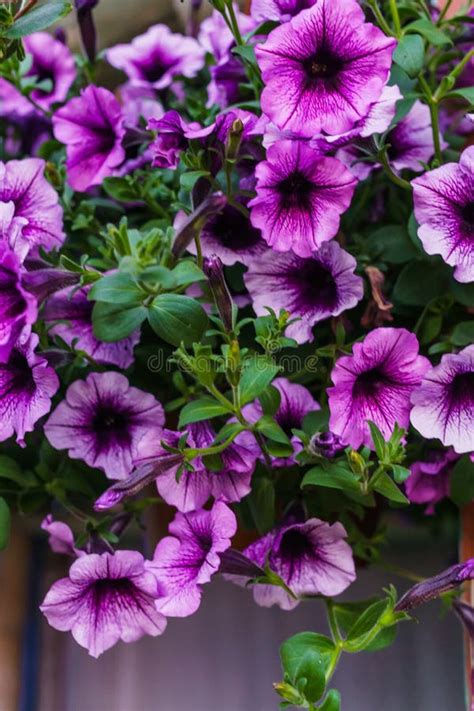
375,383
51,61
102,420
105,598
91,126
187,559
22,183
443,405
282,10
323,69
310,289
17,306
60,537
11,230
215,36
300,197
27,384
429,479
157,57
444,200
194,488
312,558
431,588
295,403
173,136
74,310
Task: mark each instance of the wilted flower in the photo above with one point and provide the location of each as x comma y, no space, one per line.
157,57
73,310
310,289
36,201
325,444
300,197
312,558
433,587
102,420
443,405
27,384
17,306
444,200
375,383
105,598
187,559
52,62
323,69
91,126
283,10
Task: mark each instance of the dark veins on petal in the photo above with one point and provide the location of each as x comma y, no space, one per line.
323,65
462,389
370,382
295,190
314,285
295,544
111,426
12,303
156,67
110,593
467,216
16,376
233,230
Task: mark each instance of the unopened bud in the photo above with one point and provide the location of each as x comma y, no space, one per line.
214,271
325,444
192,226
431,588
234,139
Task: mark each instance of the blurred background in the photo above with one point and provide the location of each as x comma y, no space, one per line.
224,658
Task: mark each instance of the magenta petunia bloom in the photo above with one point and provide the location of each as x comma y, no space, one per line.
300,197
444,209
375,383
27,384
17,306
91,126
323,69
295,403
443,405
73,310
52,61
310,289
312,558
187,559
232,237
194,488
105,598
22,183
11,230
282,10
157,57
429,479
215,36
172,138
102,421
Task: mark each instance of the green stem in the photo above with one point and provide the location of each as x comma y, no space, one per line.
234,24
380,18
432,101
199,258
333,626
444,11
396,18
221,398
383,158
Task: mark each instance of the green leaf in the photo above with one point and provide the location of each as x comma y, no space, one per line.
462,481
246,52
332,702
365,623
410,54
463,333
187,272
335,476
189,179
463,293
257,375
120,189
5,521
466,93
261,502
308,655
420,282
177,319
378,440
270,400
392,244
118,288
112,322
38,19
387,487
316,421
429,31
9,469
271,429
400,474
203,409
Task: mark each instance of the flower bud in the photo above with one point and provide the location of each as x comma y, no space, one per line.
437,585
87,29
193,225
325,444
234,139
44,282
214,271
